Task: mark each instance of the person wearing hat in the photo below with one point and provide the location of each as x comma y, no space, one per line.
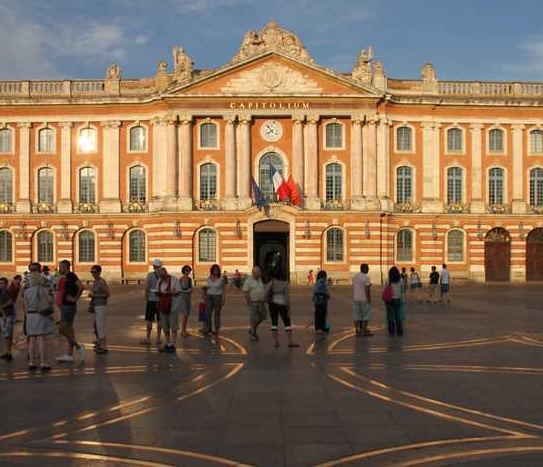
151,304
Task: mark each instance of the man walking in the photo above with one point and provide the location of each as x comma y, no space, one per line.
254,291
362,301
151,304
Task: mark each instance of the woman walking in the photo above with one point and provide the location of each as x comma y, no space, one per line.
321,295
185,297
215,299
99,295
394,307
279,305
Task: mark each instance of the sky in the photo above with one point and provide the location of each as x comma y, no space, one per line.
490,40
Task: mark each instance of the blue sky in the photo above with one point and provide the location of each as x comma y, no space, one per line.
465,39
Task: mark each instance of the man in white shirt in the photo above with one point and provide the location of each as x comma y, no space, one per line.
254,291
445,280
362,301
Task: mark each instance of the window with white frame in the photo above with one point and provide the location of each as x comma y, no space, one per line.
45,247
208,135
6,185
334,182
404,184
404,138
88,140
454,140
136,246
536,187
137,184
404,245
454,185
536,141
455,245
87,185
495,185
6,246
87,247
208,181
207,246
265,181
6,140
334,245
46,185
334,135
46,140
138,138
496,140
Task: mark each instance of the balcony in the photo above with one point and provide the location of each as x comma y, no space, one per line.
457,208
335,205
498,208
534,209
408,207
135,206
7,208
43,207
86,208
207,205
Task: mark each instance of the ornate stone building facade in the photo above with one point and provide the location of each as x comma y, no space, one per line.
406,172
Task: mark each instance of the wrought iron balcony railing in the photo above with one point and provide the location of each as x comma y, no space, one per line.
208,205
334,205
86,208
408,207
534,209
43,207
135,206
498,208
457,208
7,208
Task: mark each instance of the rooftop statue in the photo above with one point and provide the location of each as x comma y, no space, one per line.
362,68
182,64
114,72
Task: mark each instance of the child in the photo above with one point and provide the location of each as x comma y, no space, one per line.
202,311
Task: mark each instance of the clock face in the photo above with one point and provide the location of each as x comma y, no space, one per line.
271,130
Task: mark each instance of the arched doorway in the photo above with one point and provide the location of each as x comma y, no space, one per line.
498,255
534,255
271,247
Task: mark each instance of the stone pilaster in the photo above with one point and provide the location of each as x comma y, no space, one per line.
244,182
230,199
312,163
163,178
369,161
185,160
23,199
477,204
110,201
65,204
298,151
518,203
383,165
431,166
171,163
356,161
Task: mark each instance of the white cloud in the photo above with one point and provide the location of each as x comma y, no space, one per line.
530,65
203,6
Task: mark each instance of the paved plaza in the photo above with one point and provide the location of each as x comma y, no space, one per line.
463,385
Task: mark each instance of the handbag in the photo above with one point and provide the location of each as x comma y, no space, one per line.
388,294
45,302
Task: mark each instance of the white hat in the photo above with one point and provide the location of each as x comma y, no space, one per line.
157,263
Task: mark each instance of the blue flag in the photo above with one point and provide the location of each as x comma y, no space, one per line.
259,198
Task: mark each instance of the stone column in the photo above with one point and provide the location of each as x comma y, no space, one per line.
369,161
431,167
312,163
518,202
110,201
356,162
163,170
186,168
477,203
383,165
22,202
244,182
171,163
65,203
230,199
298,151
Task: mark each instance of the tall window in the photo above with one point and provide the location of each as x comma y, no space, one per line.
6,247
46,185
208,135
46,140
334,182
6,140
207,245
404,184
404,139
136,246
6,186
404,245
536,141
334,135
454,139
495,185
208,181
264,174
86,247
137,184
87,185
88,141
454,185
45,247
455,245
536,187
138,138
334,245
495,140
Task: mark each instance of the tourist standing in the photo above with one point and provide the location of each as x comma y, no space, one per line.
394,307
215,299
362,301
169,299
321,296
445,281
7,313
99,295
415,285
434,281
254,291
310,277
185,298
151,305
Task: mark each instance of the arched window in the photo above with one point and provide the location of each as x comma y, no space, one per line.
334,245
136,246
454,140
334,135
536,141
86,247
454,185
404,139
208,135
46,185
87,185
208,181
495,185
536,187
88,141
6,140
404,184
138,138
334,182
455,245
6,246
264,174
495,140
6,185
137,184
207,245
45,247
404,245
46,140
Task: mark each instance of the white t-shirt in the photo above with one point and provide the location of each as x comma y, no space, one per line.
360,282
445,276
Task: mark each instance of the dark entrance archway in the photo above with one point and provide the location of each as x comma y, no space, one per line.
534,255
498,255
271,247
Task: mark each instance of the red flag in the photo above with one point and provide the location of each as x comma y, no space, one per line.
295,196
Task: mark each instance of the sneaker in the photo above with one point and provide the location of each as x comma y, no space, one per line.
81,352
65,358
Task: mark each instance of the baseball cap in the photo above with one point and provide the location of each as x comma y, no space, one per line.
157,263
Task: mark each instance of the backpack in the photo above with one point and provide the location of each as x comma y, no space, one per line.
165,298
388,294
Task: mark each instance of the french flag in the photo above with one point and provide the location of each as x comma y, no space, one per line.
279,185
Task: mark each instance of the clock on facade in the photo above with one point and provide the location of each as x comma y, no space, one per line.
271,130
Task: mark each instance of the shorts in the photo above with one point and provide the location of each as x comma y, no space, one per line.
444,288
361,311
151,311
257,312
7,326
67,313
170,321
